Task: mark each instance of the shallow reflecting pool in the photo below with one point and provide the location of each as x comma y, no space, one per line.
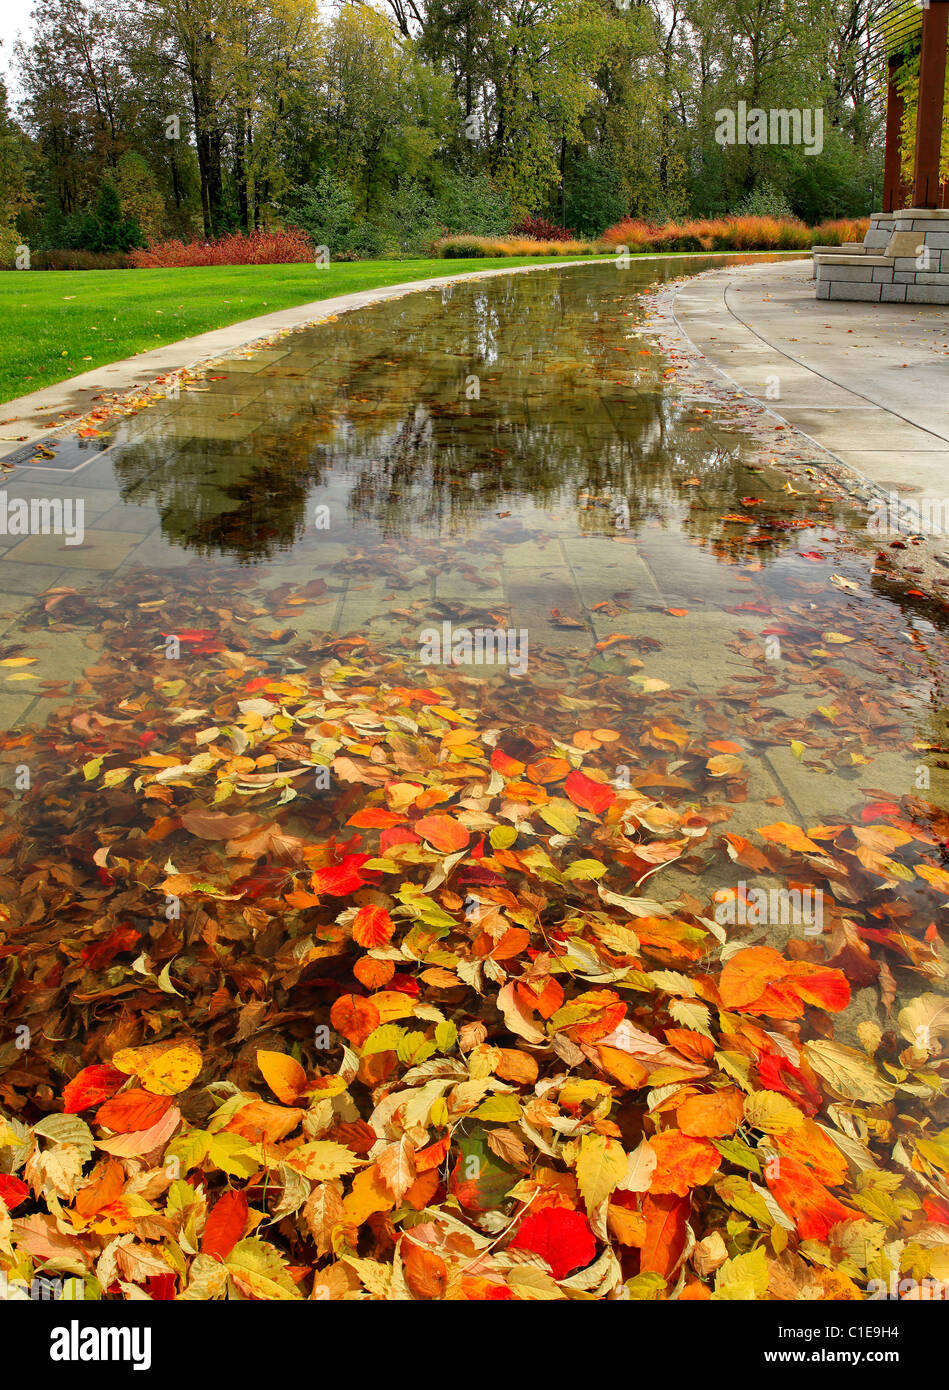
397,612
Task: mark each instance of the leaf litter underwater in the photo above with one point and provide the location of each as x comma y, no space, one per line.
332,973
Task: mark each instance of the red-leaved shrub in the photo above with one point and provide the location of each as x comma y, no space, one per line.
539,229
284,247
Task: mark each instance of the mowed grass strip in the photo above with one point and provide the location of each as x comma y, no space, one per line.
56,324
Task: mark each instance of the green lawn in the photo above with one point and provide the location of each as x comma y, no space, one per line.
55,324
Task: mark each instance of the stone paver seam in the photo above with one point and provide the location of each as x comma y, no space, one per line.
587,615
814,372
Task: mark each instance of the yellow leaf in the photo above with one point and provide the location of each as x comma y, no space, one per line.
601,1167
163,1068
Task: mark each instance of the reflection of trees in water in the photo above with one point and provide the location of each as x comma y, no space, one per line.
555,420
248,503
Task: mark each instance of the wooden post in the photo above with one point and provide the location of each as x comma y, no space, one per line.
893,158
932,85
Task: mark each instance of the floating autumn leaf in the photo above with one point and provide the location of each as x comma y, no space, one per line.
443,832
143,1141
789,836
558,1235
165,1069
682,1162
425,1272
372,926
354,1017
724,765
373,973
805,1199
283,1074
665,1235
12,1191
624,1068
339,880
508,767
226,1223
323,1160
134,1109
747,974
813,1147
91,1086
591,795
374,817
216,825
601,1167
711,1116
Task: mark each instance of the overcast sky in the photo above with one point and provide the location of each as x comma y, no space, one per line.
14,21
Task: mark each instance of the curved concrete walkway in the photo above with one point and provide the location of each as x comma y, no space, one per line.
867,382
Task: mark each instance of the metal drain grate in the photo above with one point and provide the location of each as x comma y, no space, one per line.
68,454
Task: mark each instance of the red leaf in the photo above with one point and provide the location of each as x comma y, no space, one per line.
339,880
225,1225
397,836
121,938
592,796
161,1287
772,1069
560,1236
12,1190
91,1086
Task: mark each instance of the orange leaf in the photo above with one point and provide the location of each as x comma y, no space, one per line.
90,1086
283,1074
543,996
375,818
373,973
432,1156
816,1150
806,1200
508,767
548,770
820,985
713,1116
682,1162
354,1017
611,1012
372,926
790,836
444,832
425,1273
748,973
132,1110
665,1236
627,1071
